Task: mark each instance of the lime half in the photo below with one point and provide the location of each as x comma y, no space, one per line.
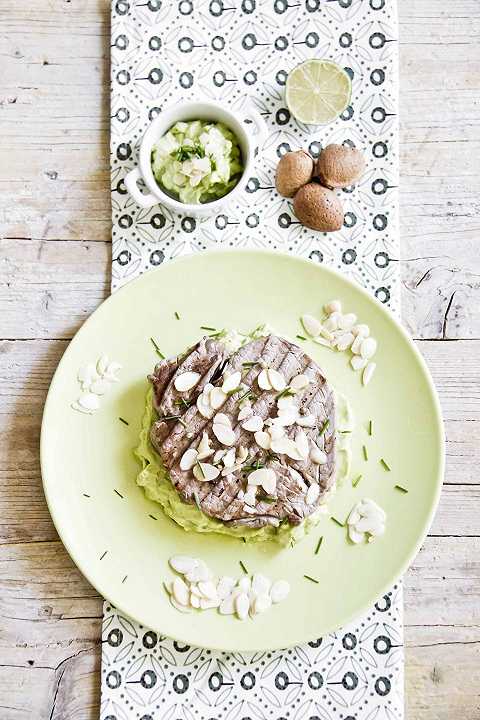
318,91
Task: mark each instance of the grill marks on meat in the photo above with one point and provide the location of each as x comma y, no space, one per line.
171,438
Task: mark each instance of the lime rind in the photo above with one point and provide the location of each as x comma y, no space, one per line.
318,91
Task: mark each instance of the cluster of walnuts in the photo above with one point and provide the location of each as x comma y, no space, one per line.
311,184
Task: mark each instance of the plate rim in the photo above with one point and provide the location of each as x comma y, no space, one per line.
388,314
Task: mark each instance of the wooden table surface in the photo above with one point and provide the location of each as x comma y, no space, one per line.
55,270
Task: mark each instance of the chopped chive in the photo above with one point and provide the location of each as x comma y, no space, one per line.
123,421
201,470
207,327
401,488
157,349
119,494
285,393
244,540
370,427
385,464
103,555
85,495
356,481
217,334
319,545
314,580
301,337
365,452
249,364
126,576
232,392
170,417
152,516
243,567
324,427
337,522
248,395
345,432
177,315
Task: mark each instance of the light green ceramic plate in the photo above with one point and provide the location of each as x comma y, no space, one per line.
124,551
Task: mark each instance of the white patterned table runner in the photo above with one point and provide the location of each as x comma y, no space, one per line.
239,52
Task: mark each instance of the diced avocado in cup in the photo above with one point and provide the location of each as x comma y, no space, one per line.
197,161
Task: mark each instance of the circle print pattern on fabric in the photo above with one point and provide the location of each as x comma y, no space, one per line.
239,54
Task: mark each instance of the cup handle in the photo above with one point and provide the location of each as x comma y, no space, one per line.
145,200
261,130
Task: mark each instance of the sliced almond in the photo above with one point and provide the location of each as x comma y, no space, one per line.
183,564
332,322
205,472
358,363
317,456
232,382
312,494
229,458
345,341
301,441
333,306
89,401
180,591
368,348
307,421
261,476
286,402
208,604
207,589
242,606
311,325
276,379
362,330
186,381
204,407
264,381
217,398
100,387
279,591
102,364
242,454
245,413
222,419
260,584
253,423
224,434
281,445
218,456
194,601
286,417
188,460
261,603
204,448
250,497
368,373
346,322
87,375
263,439
181,608
225,586
276,432
269,484
227,606
299,382
356,345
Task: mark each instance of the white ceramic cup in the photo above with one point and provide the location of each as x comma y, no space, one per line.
248,126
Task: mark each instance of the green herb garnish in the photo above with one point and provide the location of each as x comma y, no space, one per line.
337,522
301,337
201,469
207,327
345,432
357,480
157,349
218,334
370,427
183,402
324,427
285,393
314,580
186,152
254,466
250,364
243,567
248,395
385,464
177,315
123,421
232,392
365,452
319,545
401,488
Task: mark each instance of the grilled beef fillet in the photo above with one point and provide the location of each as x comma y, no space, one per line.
180,426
